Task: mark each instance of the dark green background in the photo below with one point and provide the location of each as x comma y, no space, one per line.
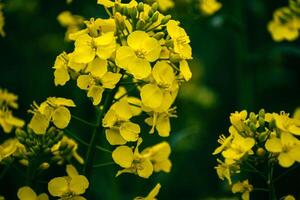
236,66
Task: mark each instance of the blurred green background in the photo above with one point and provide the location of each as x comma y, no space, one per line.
236,66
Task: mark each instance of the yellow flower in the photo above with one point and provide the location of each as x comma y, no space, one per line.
287,124
180,40
2,22
224,171
87,47
53,109
8,121
26,193
69,187
288,148
209,7
159,156
136,57
285,25
239,147
9,147
71,147
152,194
8,99
243,187
237,120
98,74
132,161
121,130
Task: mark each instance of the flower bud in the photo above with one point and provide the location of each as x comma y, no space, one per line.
140,7
261,121
154,7
154,18
44,166
252,117
133,13
262,113
165,20
260,152
159,35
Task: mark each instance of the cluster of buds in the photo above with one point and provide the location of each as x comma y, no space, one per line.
257,143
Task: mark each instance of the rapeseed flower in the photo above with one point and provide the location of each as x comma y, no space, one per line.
69,187
209,7
242,187
54,109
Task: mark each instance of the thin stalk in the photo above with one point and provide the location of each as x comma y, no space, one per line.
271,187
89,159
103,164
84,121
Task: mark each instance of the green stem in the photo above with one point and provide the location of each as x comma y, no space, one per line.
103,164
84,121
89,159
272,193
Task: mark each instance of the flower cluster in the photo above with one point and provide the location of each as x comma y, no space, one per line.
142,49
2,21
256,140
8,101
209,7
286,22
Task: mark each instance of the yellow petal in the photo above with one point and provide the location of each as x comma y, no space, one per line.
59,101
163,73
61,117
130,131
84,82
285,160
58,186
151,96
124,57
97,67
114,138
26,193
71,171
110,79
123,156
43,196
95,92
146,169
39,123
79,184
163,126
110,118
122,109
136,39
185,70
61,76
106,3
139,68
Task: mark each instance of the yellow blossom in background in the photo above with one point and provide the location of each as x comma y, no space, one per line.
152,194
10,147
7,120
285,25
242,187
69,187
289,197
2,21
70,21
54,109
26,193
209,7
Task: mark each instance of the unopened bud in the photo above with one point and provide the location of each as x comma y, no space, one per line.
159,35
165,20
260,152
154,7
44,166
154,18
140,7
262,113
